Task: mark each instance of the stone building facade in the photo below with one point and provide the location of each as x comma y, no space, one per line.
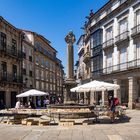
48,69
119,25
27,60
82,66
10,62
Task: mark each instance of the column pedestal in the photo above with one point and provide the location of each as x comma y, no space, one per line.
70,97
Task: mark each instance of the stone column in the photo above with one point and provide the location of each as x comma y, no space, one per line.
92,98
103,97
117,92
132,91
8,98
70,39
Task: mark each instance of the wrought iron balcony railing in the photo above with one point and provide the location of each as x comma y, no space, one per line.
136,30
11,52
9,78
108,43
123,36
118,68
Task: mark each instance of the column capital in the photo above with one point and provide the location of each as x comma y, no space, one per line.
131,77
116,81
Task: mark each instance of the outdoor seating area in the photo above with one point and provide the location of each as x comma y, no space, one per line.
63,114
58,116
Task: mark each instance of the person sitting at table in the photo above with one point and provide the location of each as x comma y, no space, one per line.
46,102
39,103
18,104
31,104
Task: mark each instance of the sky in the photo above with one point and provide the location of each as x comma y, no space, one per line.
51,18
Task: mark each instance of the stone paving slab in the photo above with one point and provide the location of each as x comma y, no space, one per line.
102,131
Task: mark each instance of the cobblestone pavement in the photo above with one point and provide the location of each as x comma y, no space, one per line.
125,130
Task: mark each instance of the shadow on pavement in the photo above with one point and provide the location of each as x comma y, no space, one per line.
106,120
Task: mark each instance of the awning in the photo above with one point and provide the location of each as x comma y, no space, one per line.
32,92
95,86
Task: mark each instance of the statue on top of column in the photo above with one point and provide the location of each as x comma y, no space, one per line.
70,38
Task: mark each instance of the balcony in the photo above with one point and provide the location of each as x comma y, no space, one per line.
9,78
7,50
122,67
122,37
108,43
86,57
136,31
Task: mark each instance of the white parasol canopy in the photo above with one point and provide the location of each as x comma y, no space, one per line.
32,92
95,86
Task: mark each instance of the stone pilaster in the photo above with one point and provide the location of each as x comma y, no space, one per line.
117,92
132,91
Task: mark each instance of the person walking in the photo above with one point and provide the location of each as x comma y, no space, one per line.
112,107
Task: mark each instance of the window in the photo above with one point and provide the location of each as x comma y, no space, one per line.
138,50
4,70
50,77
47,64
23,64
138,17
96,63
47,75
30,52
37,60
37,74
31,83
42,75
122,1
123,58
53,87
109,33
3,41
42,61
30,58
30,70
109,62
123,26
96,38
47,87
37,84
14,73
138,54
42,85
24,51
14,47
